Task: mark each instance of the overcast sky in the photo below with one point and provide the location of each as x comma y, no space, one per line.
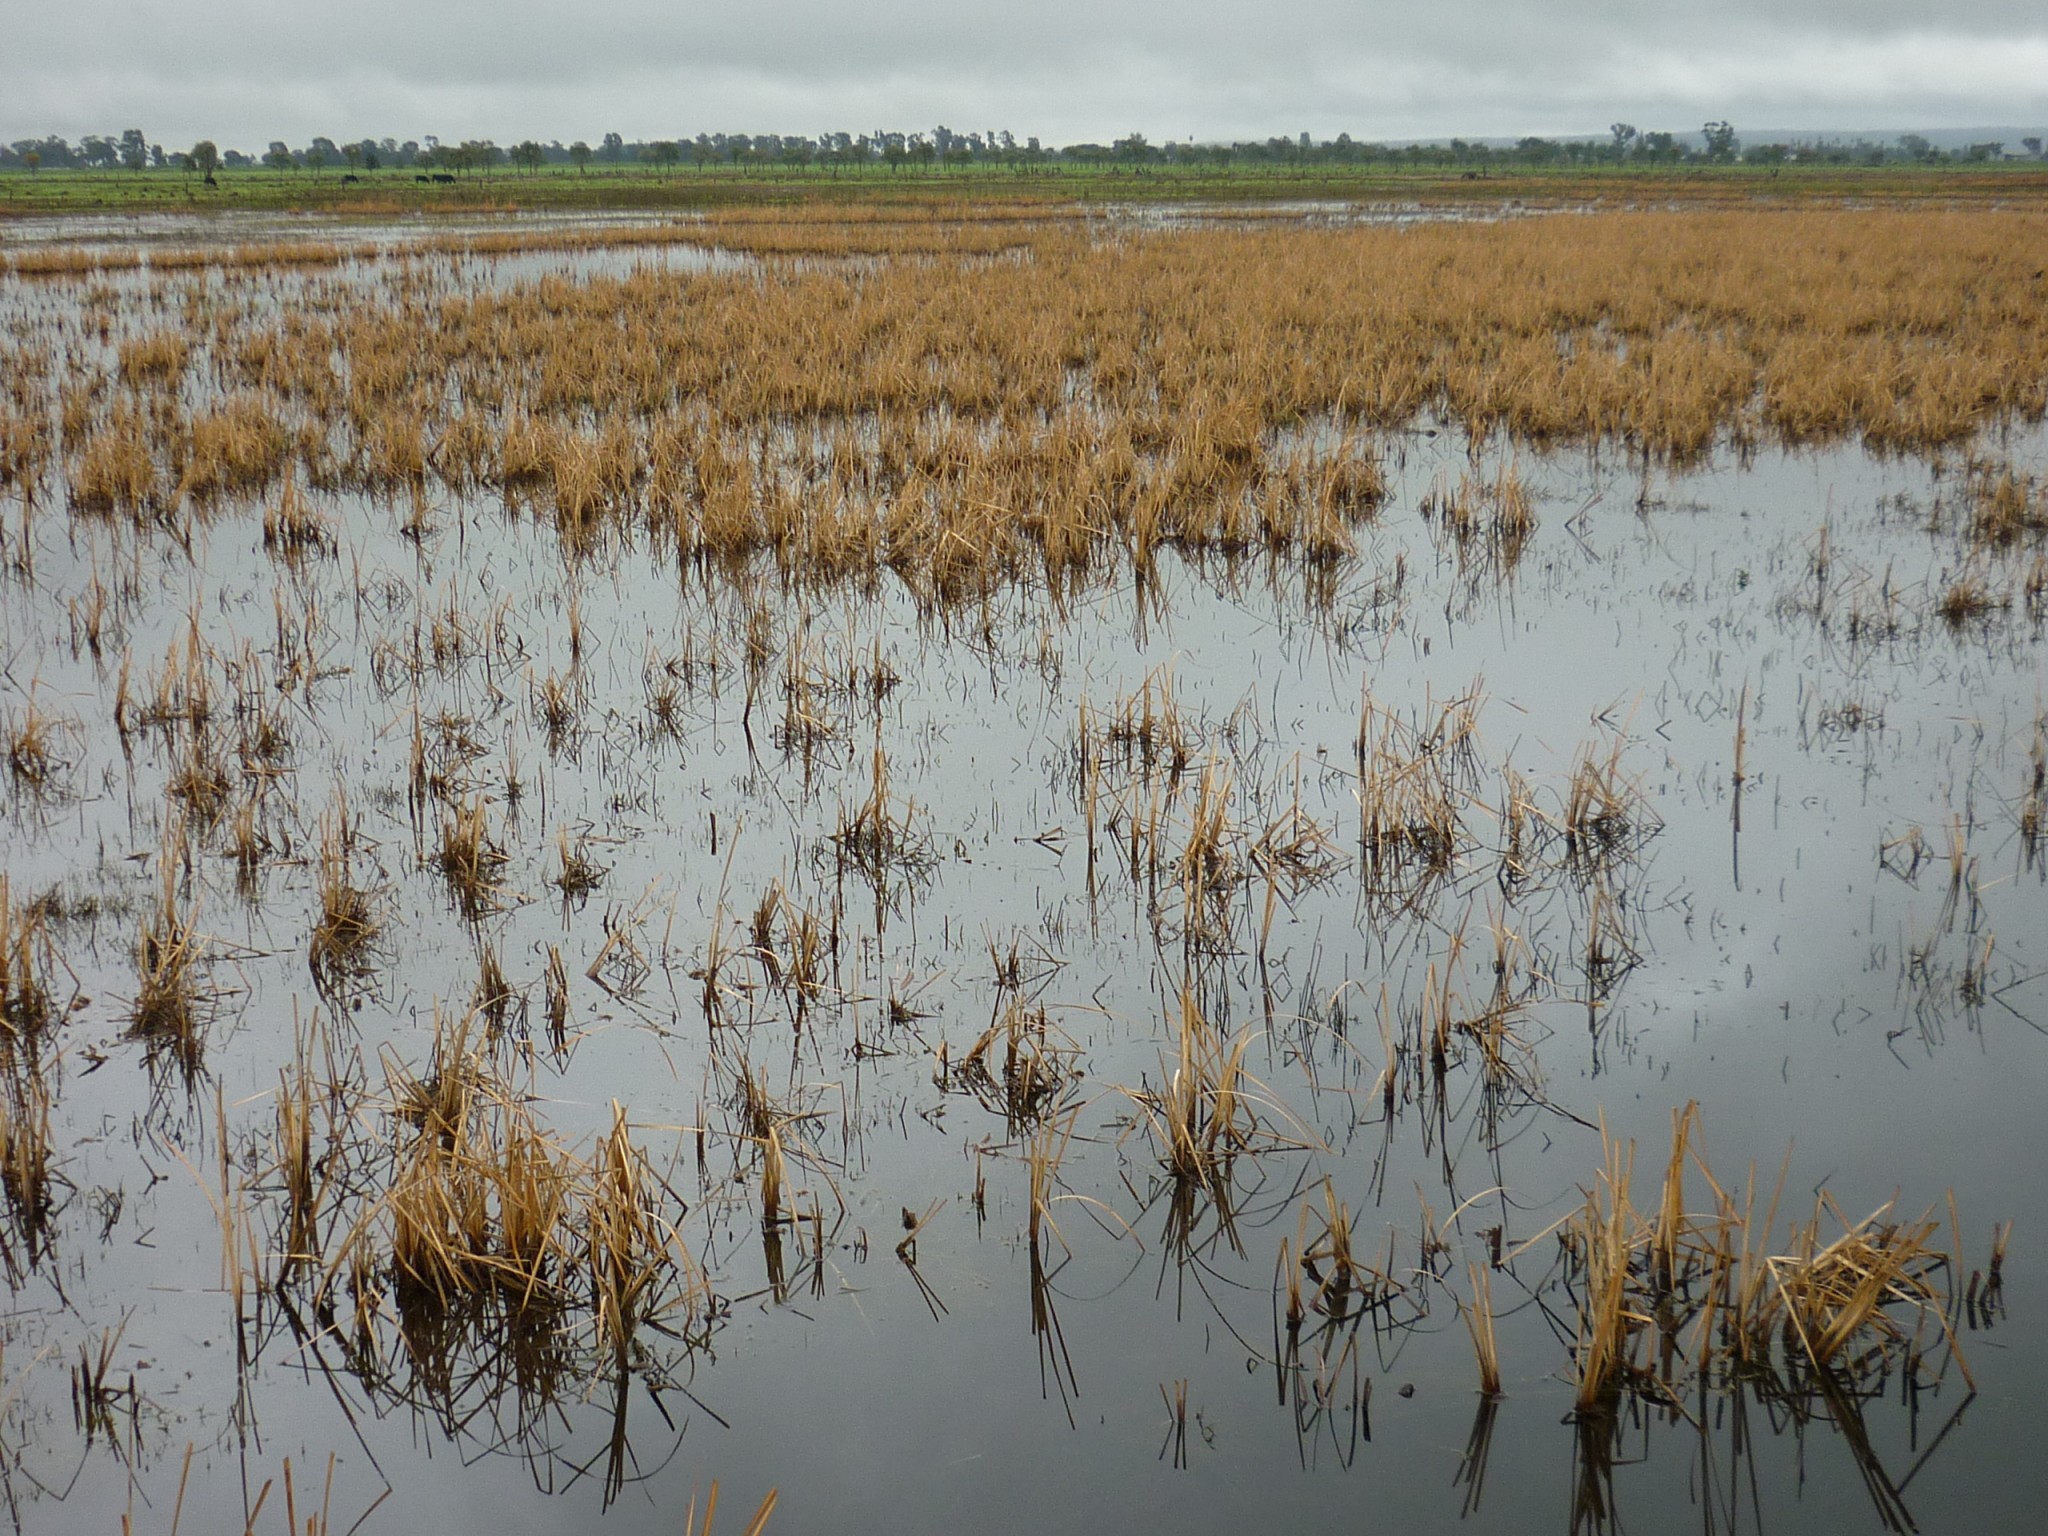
244,72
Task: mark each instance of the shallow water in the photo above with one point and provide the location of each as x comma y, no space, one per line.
1826,1000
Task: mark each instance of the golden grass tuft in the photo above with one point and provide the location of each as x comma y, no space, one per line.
27,1175
35,742
170,954
967,423
27,1002
470,860
1717,1291
346,926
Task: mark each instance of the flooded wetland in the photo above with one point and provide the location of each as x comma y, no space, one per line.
1000,865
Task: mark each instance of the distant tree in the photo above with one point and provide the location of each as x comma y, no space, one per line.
205,157
1992,151
1719,139
134,149
353,154
1767,154
32,159
663,153
580,153
480,154
2032,146
48,151
373,157
614,148
527,152
1658,146
316,160
1914,147
1624,138
277,157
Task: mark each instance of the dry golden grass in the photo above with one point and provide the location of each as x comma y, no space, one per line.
346,926
27,1176
966,419
1479,1322
34,740
481,1199
170,954
1717,1290
753,1527
470,859
1209,1110
27,1003
2006,506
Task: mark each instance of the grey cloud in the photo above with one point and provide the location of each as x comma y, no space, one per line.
245,72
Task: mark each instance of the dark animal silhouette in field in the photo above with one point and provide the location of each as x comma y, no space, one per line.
423,180
210,181
350,180
443,179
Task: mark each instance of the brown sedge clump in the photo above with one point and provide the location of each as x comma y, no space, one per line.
346,926
470,859
294,531
579,874
170,954
2006,506
1967,598
27,956
33,739
27,1174
1033,1074
1707,1289
485,1199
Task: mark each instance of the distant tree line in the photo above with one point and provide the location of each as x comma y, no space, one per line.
941,147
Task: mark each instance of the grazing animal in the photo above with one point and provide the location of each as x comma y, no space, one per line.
350,179
442,178
423,180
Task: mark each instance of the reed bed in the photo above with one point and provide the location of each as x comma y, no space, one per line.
962,422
